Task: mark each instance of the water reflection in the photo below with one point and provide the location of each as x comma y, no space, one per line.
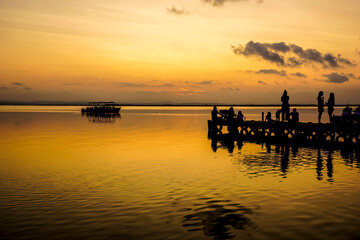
329,166
319,165
218,219
225,143
279,157
101,117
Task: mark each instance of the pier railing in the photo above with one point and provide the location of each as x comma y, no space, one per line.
348,133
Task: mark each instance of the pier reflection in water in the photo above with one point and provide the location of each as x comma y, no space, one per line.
101,117
280,156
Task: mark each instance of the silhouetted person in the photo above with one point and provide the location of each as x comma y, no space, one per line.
278,113
330,104
285,106
294,116
268,117
345,116
214,114
240,117
231,113
320,100
356,116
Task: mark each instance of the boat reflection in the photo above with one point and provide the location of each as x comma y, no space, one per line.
101,117
218,219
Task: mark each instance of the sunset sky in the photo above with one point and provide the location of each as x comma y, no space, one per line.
184,51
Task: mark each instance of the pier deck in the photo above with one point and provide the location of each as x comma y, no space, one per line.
287,131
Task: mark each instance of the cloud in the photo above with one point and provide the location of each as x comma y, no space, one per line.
281,46
129,84
350,75
261,82
176,11
210,82
259,49
4,88
186,92
166,85
220,3
17,83
290,55
300,75
336,78
229,89
27,88
73,84
271,71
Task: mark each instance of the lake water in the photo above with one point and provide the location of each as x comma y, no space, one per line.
151,173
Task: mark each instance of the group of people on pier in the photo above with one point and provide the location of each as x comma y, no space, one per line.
284,114
330,104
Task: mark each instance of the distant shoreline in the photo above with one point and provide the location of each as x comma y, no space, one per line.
171,105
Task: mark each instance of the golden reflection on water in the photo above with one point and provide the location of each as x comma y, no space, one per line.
153,174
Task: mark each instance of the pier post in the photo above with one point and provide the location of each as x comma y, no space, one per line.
262,125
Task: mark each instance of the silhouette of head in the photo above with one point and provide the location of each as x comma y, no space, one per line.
215,108
320,93
294,110
285,93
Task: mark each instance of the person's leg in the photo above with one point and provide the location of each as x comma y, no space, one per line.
319,117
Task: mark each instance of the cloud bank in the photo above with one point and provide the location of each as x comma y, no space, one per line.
299,74
271,71
336,78
290,55
177,11
220,3
17,83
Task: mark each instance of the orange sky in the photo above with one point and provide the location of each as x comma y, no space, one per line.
188,51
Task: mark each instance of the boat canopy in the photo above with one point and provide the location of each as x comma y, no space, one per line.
102,104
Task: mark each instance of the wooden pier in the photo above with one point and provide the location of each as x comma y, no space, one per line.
286,131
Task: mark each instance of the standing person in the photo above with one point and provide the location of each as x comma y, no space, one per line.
214,114
320,100
285,106
330,105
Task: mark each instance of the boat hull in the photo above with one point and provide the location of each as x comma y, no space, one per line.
92,110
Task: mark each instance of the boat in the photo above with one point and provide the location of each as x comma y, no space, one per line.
101,108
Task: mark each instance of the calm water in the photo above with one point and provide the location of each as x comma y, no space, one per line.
151,173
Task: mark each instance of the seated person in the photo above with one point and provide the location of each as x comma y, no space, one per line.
240,117
294,116
356,112
278,114
356,115
268,117
346,115
231,113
